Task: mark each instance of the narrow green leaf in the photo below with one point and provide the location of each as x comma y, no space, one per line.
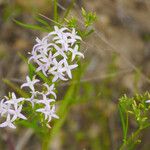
55,10
124,122
32,27
16,88
31,70
68,10
42,21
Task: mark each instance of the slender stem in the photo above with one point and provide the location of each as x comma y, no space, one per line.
130,139
45,144
55,11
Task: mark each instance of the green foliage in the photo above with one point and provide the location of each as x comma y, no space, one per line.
68,10
72,23
32,27
16,88
136,108
89,18
55,11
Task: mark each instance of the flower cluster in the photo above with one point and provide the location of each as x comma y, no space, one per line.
51,53
54,55
42,98
11,108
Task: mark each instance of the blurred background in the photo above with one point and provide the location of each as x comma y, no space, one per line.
117,60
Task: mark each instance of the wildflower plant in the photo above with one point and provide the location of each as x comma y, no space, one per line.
53,57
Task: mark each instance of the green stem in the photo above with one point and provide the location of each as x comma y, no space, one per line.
130,139
45,144
55,11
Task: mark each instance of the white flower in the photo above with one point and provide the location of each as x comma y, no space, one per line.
42,67
14,100
1,106
147,101
68,68
42,45
50,55
47,59
30,83
59,51
11,107
34,56
57,70
32,100
8,123
46,101
75,52
48,112
17,113
6,109
35,93
64,42
50,90
73,36
58,31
